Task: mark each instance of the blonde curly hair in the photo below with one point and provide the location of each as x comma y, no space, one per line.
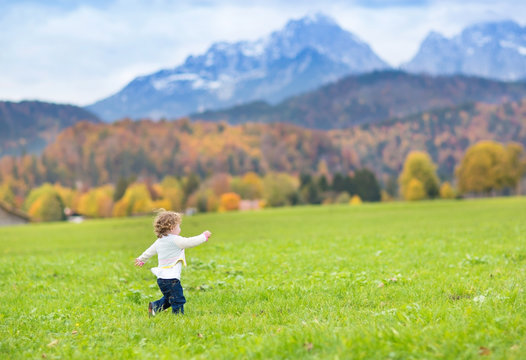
165,221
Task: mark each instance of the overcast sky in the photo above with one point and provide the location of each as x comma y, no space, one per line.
73,51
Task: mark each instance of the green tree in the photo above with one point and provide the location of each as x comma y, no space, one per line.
338,184
391,186
514,164
311,193
190,184
278,189
366,185
323,184
122,185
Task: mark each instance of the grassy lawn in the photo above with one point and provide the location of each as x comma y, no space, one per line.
440,279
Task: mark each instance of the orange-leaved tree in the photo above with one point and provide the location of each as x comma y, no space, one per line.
229,201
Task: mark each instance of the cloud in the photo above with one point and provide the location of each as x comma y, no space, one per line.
77,51
391,3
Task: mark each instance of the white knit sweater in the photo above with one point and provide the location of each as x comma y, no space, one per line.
170,253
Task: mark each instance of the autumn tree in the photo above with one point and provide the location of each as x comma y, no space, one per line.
69,196
219,183
121,186
488,166
418,165
250,186
97,202
6,194
172,190
279,188
415,190
44,204
136,200
355,200
446,191
230,201
204,200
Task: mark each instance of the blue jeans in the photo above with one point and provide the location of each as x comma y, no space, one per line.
172,296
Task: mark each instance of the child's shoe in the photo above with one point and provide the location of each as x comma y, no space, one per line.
151,311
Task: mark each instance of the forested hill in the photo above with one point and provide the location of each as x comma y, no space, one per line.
372,98
103,153
28,126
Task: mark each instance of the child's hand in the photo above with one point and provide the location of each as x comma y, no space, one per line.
139,263
207,234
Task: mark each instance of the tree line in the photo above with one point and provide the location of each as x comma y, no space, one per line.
486,168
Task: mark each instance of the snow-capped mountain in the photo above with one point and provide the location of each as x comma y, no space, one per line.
494,50
305,54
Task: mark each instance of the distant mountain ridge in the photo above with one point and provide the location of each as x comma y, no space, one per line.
494,50
103,153
28,126
305,54
372,98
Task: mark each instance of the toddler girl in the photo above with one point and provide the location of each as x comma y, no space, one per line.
169,248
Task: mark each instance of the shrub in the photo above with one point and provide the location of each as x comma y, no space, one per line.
355,200
230,201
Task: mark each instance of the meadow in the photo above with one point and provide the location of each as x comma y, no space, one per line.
436,279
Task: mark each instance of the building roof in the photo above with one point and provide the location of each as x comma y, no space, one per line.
14,211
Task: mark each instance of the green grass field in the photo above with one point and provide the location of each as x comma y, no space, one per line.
441,279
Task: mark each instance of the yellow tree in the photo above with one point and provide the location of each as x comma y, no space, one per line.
250,186
44,204
355,200
415,190
136,200
69,196
98,202
172,190
446,191
483,168
418,165
6,194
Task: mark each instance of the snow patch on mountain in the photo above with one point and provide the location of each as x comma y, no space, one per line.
305,54
494,50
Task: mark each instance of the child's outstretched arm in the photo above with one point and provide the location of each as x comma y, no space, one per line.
148,253
185,243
